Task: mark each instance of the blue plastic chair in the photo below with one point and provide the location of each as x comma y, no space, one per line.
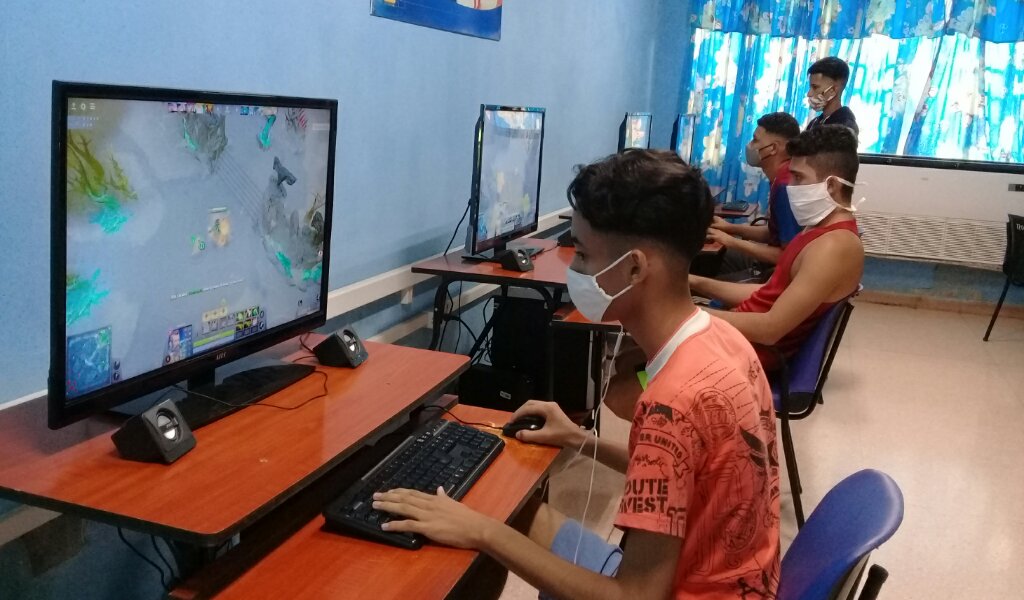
797,385
828,556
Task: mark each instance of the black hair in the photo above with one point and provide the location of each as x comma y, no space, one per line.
830,150
646,194
832,67
780,124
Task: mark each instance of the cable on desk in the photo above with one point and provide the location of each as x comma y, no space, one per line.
456,417
296,407
305,346
163,559
163,580
457,227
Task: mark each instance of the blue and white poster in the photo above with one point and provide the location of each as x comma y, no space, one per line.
478,18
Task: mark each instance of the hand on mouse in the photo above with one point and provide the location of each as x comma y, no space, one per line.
558,429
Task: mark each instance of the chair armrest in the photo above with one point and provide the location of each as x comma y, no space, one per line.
873,585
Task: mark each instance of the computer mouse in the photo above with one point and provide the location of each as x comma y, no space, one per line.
527,422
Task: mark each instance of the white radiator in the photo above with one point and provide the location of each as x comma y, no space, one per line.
945,239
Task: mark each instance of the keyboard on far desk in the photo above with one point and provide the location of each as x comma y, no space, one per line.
441,453
738,206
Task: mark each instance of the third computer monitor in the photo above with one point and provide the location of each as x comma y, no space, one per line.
506,177
635,131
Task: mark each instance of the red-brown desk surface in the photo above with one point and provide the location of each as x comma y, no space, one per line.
548,267
242,466
313,563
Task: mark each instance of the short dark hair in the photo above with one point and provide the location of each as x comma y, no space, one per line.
780,124
829,149
646,194
832,67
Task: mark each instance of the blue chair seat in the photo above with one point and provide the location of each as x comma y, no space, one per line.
856,516
804,369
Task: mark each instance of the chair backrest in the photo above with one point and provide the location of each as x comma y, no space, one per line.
1013,264
856,516
808,368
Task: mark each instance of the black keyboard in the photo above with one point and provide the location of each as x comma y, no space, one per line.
441,453
738,206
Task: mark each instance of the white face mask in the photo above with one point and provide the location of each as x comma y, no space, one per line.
812,203
587,295
820,101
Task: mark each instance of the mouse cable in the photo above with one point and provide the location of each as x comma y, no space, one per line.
456,417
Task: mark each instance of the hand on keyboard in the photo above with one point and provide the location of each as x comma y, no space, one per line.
436,516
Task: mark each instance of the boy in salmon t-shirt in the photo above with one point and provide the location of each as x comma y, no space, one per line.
701,505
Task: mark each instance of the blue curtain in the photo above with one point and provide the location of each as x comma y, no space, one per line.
926,79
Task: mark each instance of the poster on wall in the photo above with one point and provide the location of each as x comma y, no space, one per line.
478,18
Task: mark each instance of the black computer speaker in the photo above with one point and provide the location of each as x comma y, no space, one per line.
341,349
158,435
516,260
565,240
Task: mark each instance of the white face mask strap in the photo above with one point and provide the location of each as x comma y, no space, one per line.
609,267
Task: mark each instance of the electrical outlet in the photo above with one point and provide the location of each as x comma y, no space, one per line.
1017,187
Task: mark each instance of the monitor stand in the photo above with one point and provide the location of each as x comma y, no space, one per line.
208,401
499,251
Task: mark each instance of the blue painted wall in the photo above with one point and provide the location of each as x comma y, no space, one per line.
409,98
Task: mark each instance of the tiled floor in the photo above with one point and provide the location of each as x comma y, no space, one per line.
916,394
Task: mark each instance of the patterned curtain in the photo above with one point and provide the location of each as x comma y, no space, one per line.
938,79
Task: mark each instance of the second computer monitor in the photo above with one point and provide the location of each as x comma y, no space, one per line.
506,177
635,131
682,137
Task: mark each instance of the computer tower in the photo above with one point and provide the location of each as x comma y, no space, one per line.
545,359
500,389
575,367
519,342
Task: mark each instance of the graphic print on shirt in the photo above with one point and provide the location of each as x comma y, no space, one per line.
703,459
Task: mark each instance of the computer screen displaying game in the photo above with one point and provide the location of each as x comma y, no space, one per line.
636,131
190,226
508,177
682,137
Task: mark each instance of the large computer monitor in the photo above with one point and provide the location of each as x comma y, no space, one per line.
635,131
189,229
682,137
505,199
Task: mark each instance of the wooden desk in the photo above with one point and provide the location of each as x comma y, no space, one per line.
548,268
242,466
548,273
317,564
736,214
568,316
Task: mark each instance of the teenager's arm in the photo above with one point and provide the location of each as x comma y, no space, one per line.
757,233
757,250
729,294
822,271
560,431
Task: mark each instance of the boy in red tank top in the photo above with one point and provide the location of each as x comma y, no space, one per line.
821,266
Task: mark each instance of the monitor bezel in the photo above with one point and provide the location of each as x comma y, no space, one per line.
677,132
625,125
478,246
63,411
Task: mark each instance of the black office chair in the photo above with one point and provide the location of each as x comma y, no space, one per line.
1013,263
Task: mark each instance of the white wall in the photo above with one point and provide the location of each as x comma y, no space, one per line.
943,193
